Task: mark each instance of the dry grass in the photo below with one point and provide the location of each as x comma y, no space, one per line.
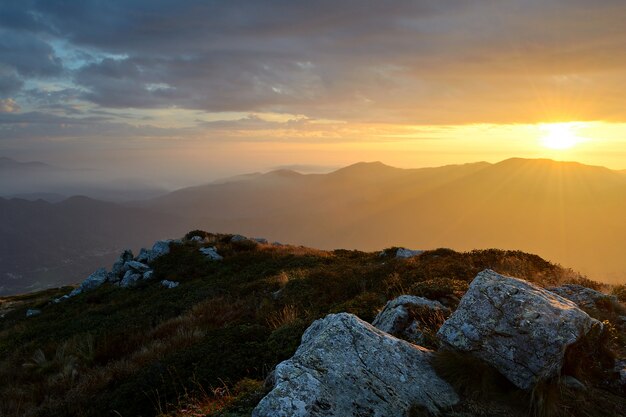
285,316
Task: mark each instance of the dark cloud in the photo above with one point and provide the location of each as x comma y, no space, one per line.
399,62
28,55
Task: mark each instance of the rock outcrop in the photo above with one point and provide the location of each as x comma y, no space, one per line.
170,284
518,327
346,367
409,317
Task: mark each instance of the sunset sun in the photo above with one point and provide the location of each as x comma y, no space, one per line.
560,136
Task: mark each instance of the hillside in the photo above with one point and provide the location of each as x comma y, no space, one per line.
204,347
44,244
365,206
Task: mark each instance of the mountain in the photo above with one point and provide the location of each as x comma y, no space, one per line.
46,244
8,164
206,344
569,212
34,180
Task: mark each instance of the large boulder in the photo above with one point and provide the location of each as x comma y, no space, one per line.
410,317
591,301
346,367
518,327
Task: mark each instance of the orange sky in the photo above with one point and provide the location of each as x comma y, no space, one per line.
187,92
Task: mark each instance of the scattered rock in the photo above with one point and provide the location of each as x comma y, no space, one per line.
170,284
211,253
409,317
136,266
238,238
160,248
93,281
144,255
346,367
117,270
590,300
148,275
32,312
407,253
197,239
260,240
131,278
518,327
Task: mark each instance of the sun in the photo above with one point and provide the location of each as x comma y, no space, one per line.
560,136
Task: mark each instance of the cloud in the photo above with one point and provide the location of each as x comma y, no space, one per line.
8,105
406,62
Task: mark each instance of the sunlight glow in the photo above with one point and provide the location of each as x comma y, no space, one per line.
560,136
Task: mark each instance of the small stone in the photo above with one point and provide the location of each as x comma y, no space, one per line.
32,312
211,253
407,253
170,284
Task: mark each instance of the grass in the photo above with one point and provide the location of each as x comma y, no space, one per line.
204,346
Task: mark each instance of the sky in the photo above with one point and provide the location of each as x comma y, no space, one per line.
182,92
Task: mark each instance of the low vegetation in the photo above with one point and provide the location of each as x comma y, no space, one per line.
205,347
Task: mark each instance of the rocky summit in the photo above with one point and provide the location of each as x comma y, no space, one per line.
220,325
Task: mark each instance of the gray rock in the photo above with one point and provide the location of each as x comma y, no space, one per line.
136,266
260,240
404,317
238,238
160,248
211,253
32,312
131,278
407,253
518,327
117,270
148,275
144,255
586,298
346,367
170,284
197,239
93,281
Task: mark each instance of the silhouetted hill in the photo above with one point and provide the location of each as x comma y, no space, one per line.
44,244
566,211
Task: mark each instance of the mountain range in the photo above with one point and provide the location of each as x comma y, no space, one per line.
567,212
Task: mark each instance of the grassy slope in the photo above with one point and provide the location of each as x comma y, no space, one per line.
206,345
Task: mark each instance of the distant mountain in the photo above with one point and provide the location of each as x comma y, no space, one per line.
34,180
44,244
8,164
568,212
